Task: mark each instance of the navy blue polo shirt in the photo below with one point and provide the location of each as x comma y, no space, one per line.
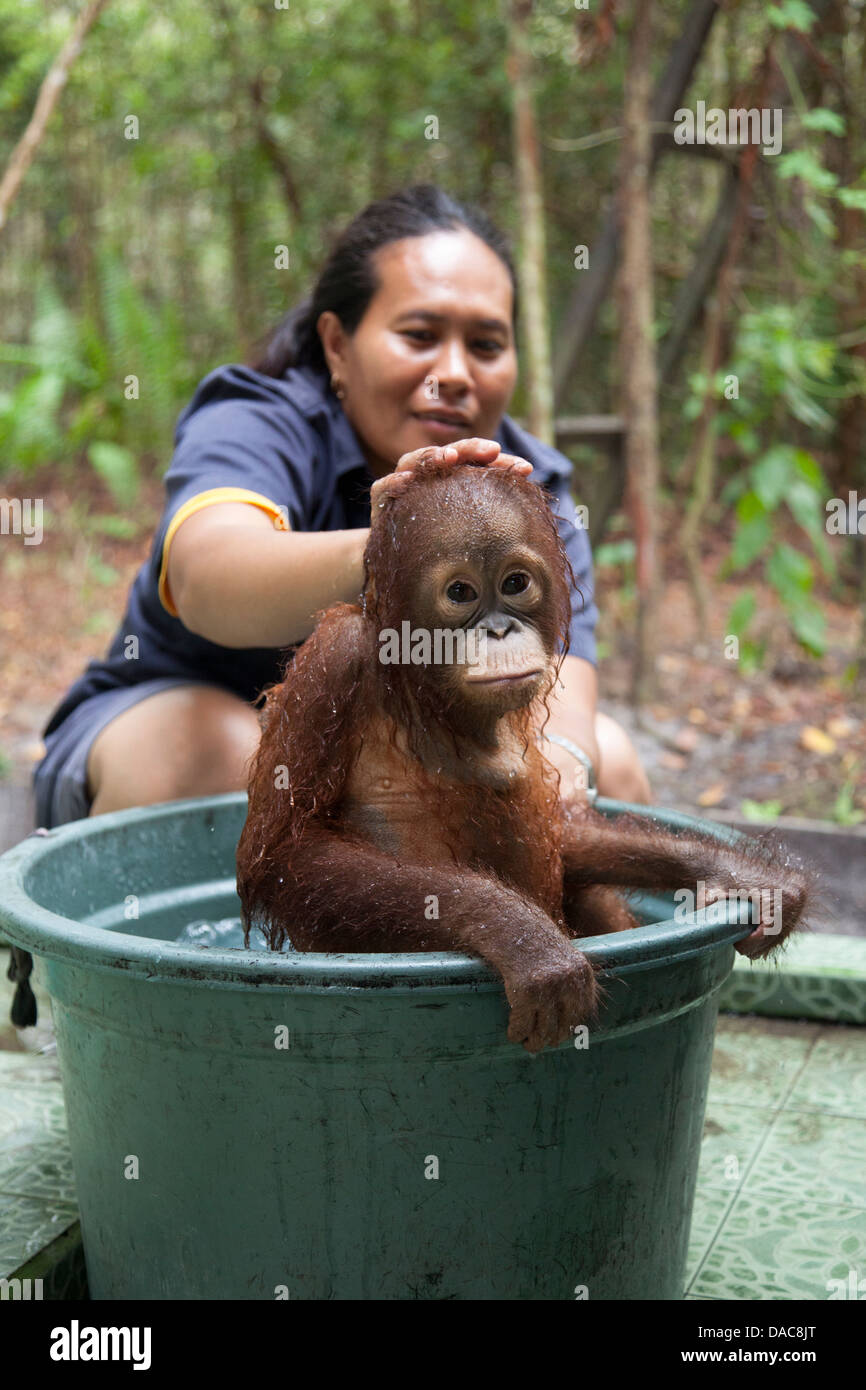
285,445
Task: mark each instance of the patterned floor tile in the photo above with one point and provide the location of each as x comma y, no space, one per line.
28,1069
29,1224
834,1077
820,1157
31,1115
821,976
731,1142
709,1210
780,1209
757,1060
41,1170
773,1247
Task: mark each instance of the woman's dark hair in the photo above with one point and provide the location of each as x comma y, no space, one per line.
348,281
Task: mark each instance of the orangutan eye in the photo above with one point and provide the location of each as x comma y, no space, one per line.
458,592
515,583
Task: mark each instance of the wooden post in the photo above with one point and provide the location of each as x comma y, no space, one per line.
533,281
636,341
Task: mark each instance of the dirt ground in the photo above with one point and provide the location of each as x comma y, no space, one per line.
792,734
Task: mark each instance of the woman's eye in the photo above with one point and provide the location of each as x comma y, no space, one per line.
515,583
458,592
421,335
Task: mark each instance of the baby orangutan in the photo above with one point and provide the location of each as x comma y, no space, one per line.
402,806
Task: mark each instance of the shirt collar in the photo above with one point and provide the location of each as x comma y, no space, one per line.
313,396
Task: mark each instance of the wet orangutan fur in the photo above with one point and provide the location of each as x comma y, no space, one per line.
407,807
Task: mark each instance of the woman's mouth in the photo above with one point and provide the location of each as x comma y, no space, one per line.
444,425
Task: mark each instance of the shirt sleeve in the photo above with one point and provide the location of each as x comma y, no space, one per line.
584,613
249,446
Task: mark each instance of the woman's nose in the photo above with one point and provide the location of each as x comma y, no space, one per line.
452,365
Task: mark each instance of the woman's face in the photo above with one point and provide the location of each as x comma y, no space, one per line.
433,358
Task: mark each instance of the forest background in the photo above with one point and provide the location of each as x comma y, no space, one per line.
693,324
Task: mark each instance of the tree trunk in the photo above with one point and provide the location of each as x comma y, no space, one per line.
239,230
49,93
693,291
700,463
636,341
842,158
595,283
533,284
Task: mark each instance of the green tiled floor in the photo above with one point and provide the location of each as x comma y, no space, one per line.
39,1235
781,1201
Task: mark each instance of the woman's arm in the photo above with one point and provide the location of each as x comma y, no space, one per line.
237,580
572,714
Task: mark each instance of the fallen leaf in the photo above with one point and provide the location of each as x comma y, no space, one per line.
670,661
815,740
686,739
840,727
713,795
697,716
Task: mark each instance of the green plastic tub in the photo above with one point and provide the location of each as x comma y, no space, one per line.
259,1126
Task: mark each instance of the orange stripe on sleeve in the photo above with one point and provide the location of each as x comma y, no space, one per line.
209,499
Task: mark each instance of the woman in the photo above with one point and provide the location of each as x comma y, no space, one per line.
406,344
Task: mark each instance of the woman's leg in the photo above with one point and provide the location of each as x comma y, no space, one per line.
190,740
196,740
621,775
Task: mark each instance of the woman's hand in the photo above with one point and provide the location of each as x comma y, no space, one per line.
484,452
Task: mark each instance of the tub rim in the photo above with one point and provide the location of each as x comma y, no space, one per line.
48,934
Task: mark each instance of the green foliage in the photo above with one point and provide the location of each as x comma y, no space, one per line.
752,655
820,118
122,528
74,387
750,652
791,14
117,467
853,198
791,371
760,810
783,371
133,266
844,810
742,612
779,476
101,572
803,164
614,553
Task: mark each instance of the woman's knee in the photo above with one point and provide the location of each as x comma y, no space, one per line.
621,774
186,741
